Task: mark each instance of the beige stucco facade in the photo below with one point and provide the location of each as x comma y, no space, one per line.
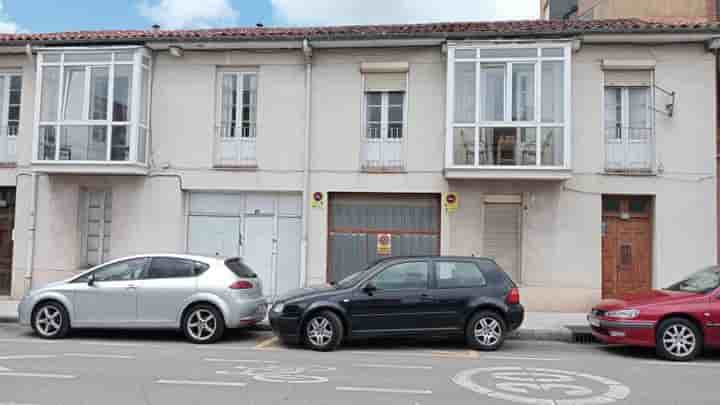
561,220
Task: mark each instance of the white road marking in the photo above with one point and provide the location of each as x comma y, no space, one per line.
4,369
38,375
15,403
397,366
31,340
242,361
385,390
207,383
520,358
99,356
113,344
28,357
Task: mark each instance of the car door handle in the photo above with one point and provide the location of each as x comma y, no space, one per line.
427,297
131,287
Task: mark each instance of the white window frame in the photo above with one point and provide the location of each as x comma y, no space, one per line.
219,123
384,123
9,140
537,123
141,68
625,124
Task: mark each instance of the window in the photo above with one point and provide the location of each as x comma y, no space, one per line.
403,276
629,130
509,106
169,267
121,271
385,121
237,126
10,100
93,105
458,275
240,269
96,223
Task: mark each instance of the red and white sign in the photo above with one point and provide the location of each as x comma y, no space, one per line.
384,244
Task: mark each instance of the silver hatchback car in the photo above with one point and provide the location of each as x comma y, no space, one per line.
199,295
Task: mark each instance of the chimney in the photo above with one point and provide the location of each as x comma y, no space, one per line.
260,25
156,27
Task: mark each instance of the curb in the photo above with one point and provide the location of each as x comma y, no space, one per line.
8,319
550,335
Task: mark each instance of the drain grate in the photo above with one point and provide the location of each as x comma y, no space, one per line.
584,338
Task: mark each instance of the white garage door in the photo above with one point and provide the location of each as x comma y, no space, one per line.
263,228
502,237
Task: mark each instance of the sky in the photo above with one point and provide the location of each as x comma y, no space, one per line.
72,15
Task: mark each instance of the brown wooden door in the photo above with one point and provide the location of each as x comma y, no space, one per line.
626,245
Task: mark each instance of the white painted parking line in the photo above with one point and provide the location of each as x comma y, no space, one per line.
207,383
99,356
396,366
38,375
242,361
4,369
28,357
520,358
112,344
385,390
31,340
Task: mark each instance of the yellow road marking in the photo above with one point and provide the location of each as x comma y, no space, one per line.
265,344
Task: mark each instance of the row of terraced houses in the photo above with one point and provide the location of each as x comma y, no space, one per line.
578,154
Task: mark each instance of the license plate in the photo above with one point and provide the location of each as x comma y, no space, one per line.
594,321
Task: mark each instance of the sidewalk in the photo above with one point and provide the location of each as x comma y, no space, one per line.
552,326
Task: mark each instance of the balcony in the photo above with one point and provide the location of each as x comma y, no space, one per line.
383,154
93,116
235,146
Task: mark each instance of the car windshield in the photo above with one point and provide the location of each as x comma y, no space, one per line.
352,279
703,281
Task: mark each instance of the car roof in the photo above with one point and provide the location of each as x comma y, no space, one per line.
197,258
431,257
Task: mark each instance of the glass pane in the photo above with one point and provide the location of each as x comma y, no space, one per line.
123,271
250,82
73,92
46,146
374,113
83,143
465,88
120,148
613,113
374,98
125,56
143,96
553,52
229,100
639,205
121,90
523,89
465,53
87,57
464,146
611,204
15,83
14,113
552,147
395,114
50,90
458,275
508,146
142,142
99,82
51,57
413,275
509,53
639,117
553,91
492,83
396,98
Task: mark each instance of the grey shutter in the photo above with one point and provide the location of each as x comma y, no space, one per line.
628,78
502,237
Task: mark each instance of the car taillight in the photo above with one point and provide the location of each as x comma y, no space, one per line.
513,297
241,285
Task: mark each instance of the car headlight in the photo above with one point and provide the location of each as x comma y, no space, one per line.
278,308
624,314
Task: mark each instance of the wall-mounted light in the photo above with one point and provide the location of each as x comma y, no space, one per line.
176,51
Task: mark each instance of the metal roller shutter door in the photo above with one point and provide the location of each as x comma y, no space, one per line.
502,237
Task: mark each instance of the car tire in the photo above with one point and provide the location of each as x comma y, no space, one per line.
678,339
485,331
50,320
323,331
203,324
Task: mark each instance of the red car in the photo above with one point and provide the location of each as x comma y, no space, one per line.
679,321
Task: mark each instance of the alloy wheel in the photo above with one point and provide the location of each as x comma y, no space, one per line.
48,321
488,331
201,324
319,331
679,340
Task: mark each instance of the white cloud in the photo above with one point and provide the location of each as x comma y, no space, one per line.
7,24
173,14
401,11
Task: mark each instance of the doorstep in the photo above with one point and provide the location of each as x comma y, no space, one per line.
8,311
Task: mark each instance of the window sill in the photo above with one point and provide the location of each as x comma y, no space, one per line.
630,172
505,173
384,169
89,167
8,165
236,166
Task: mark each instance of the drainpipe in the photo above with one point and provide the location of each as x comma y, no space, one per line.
307,54
30,259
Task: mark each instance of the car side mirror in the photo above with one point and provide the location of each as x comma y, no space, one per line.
369,288
91,280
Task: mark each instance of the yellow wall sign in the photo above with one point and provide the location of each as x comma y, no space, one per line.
318,199
384,244
451,201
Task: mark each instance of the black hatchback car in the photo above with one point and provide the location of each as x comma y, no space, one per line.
408,296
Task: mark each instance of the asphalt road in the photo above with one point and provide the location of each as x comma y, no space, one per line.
252,368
